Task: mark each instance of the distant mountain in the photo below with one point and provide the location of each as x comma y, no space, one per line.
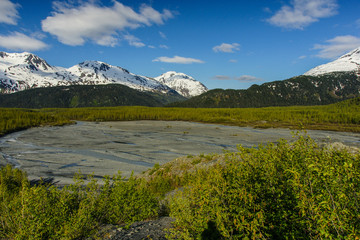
95,73
86,96
301,90
325,84
182,83
349,62
20,71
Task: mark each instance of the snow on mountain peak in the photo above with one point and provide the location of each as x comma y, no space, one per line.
353,54
346,63
182,83
96,72
20,71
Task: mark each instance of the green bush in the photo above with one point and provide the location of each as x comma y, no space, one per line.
288,191
74,212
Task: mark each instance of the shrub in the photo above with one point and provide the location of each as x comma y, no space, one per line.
284,191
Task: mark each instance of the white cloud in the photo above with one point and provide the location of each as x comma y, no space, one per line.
357,22
162,35
302,13
226,47
337,46
134,41
233,60
177,59
74,25
248,78
8,12
243,78
222,77
21,42
163,46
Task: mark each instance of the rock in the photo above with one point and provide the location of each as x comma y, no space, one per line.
154,229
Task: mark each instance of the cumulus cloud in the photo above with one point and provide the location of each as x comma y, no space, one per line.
302,13
21,42
74,25
177,59
227,47
8,12
337,46
248,78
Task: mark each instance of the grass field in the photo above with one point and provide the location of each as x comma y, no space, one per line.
343,116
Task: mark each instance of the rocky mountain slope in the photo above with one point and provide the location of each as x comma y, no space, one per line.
325,84
20,71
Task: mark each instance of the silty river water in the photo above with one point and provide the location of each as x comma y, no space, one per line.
135,146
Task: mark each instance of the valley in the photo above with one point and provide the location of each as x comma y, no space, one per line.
135,146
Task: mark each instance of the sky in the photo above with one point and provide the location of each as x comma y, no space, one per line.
223,44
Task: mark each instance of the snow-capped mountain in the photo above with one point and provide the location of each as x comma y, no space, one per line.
95,72
182,83
346,63
20,71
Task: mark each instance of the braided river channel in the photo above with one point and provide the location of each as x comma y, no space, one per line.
134,146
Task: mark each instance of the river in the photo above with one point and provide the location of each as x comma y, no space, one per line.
133,146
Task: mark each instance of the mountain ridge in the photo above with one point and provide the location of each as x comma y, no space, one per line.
109,95
20,71
345,63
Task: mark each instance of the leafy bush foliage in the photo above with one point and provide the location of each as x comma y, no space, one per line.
288,191
74,212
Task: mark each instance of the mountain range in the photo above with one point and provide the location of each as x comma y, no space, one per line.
22,71
324,84
94,83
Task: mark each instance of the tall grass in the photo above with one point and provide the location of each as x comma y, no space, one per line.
339,117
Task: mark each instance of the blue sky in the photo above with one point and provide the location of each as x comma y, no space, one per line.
223,44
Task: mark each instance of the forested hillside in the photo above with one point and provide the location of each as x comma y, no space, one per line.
86,96
300,90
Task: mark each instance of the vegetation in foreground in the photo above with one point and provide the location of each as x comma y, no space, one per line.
343,116
285,191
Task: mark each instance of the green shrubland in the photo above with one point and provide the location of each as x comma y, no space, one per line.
343,116
288,191
12,119
73,212
291,190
